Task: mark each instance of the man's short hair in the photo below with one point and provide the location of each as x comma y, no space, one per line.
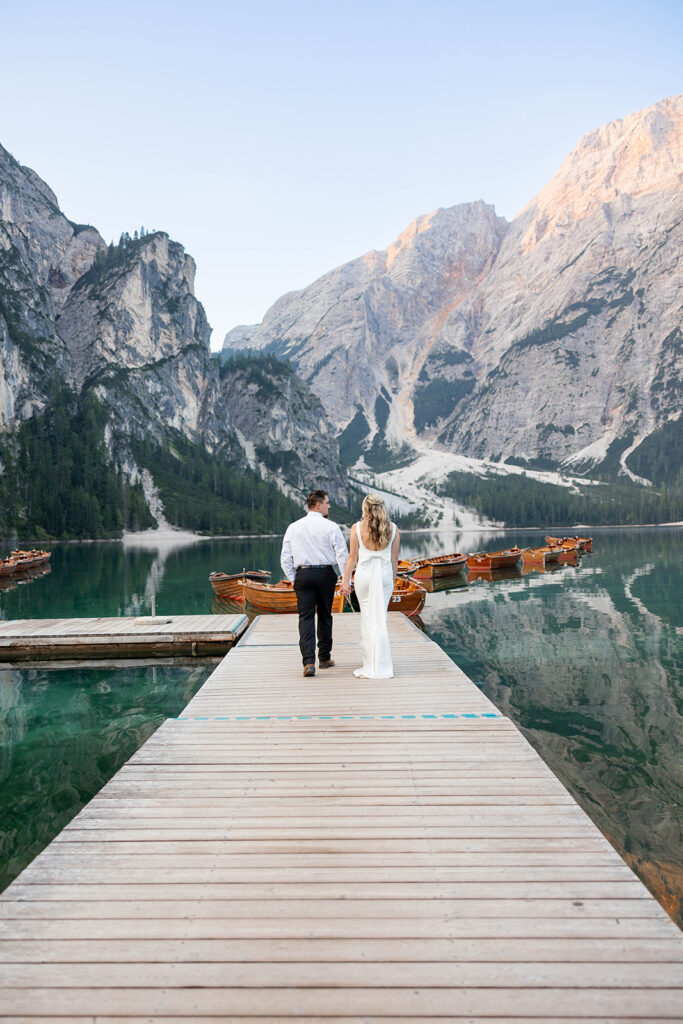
314,497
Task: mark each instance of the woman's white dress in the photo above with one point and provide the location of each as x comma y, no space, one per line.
374,585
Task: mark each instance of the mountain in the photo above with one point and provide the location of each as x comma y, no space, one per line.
552,340
113,409
360,334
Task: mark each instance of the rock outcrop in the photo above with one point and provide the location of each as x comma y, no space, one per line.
135,332
554,338
42,254
580,317
360,334
283,427
123,322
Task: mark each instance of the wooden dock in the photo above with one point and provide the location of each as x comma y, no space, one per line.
122,637
333,849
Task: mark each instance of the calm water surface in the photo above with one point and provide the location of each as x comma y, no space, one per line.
586,661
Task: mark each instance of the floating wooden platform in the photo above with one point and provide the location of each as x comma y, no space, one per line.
334,849
123,637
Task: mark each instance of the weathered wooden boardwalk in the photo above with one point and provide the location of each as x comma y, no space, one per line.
123,636
334,849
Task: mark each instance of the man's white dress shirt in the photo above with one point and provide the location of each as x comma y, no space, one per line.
313,540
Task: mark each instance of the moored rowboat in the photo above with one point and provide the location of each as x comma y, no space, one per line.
581,543
34,556
278,597
408,597
228,585
569,556
23,561
506,559
440,566
406,568
542,555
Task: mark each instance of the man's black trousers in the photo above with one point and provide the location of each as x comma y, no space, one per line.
315,592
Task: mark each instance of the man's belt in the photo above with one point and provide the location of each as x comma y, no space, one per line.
326,565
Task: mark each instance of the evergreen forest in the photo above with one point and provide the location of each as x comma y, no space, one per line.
518,500
212,492
57,478
59,481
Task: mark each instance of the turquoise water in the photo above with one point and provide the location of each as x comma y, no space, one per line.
585,660
64,733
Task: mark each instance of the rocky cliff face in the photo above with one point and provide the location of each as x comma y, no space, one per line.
579,319
359,334
42,254
135,332
123,322
552,338
283,427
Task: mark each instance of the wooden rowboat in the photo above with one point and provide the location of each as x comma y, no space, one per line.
34,556
440,566
408,597
507,559
581,543
23,562
228,585
543,555
267,598
406,568
569,556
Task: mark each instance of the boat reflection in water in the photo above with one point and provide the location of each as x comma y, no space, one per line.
223,606
514,572
543,569
444,584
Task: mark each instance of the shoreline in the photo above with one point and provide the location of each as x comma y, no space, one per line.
159,538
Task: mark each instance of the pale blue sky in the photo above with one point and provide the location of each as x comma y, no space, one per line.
278,140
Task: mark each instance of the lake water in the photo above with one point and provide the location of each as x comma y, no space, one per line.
585,660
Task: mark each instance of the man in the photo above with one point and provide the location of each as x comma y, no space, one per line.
311,548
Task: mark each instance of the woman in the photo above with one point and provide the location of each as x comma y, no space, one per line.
374,546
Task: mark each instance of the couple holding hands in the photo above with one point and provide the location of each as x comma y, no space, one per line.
311,549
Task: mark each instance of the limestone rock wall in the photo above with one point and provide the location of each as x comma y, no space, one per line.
550,338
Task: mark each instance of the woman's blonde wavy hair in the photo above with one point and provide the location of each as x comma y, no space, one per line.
377,518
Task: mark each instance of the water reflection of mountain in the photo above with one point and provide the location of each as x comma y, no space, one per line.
591,677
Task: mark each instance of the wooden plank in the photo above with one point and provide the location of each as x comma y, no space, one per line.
377,974
654,932
328,1002
352,949
90,906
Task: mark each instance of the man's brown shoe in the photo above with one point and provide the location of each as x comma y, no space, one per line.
326,664
309,670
